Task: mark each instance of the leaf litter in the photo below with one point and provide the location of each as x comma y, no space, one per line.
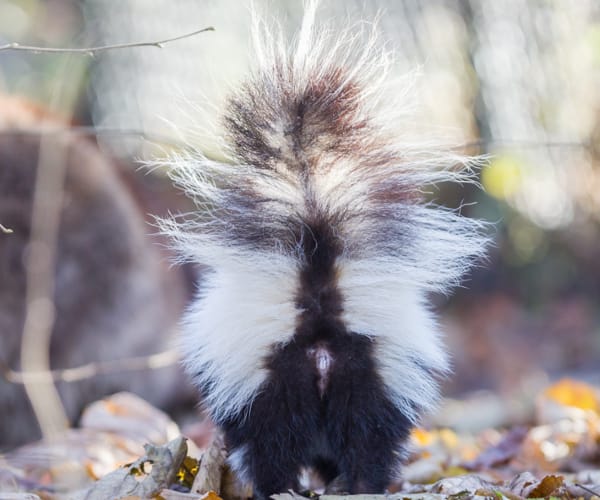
126,449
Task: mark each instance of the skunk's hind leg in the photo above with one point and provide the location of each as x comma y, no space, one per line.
365,430
270,442
369,458
269,465
263,452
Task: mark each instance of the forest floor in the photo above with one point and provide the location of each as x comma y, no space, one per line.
125,448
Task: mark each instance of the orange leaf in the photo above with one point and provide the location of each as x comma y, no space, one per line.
546,487
211,495
421,437
574,393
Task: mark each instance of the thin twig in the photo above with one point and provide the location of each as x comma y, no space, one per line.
585,488
39,292
103,48
90,370
6,230
152,136
40,310
525,144
89,130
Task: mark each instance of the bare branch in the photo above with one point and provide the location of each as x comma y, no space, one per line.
90,370
86,130
5,230
91,51
525,144
164,139
40,311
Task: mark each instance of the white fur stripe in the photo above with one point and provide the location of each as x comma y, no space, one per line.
242,313
409,352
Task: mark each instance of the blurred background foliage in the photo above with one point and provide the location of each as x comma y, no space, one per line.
518,80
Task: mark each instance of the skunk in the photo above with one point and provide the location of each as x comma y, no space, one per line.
311,340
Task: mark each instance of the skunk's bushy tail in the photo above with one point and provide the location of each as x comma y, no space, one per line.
319,213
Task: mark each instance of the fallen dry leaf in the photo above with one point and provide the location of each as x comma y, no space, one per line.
129,415
434,472
568,444
211,495
176,495
445,446
526,485
569,392
74,459
547,487
115,430
18,496
146,477
591,491
469,483
507,448
208,478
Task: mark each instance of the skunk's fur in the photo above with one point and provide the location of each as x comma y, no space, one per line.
311,339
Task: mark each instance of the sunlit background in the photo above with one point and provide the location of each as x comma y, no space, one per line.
514,79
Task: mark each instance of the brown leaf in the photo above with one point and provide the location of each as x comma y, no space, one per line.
546,487
528,486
